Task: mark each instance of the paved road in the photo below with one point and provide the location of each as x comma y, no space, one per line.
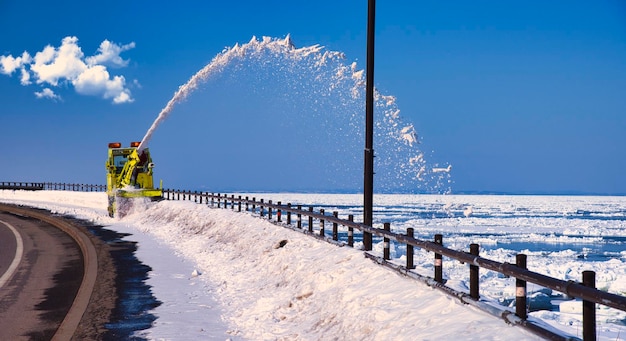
38,287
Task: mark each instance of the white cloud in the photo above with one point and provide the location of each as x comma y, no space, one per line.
47,93
8,64
109,54
25,80
96,81
67,64
123,97
53,64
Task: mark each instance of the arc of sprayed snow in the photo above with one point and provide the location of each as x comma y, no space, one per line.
217,64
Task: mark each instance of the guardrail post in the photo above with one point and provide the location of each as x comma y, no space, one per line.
520,289
219,200
589,308
335,229
261,209
322,223
439,260
254,204
351,231
410,233
247,204
279,213
386,256
239,204
177,195
299,216
311,219
474,286
232,202
269,211
289,213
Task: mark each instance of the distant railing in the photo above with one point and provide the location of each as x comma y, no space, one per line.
315,225
26,186
55,186
51,186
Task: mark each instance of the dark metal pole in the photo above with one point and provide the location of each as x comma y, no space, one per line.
410,233
474,278
368,178
589,308
520,289
439,260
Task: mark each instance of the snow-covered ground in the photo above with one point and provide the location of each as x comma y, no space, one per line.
261,281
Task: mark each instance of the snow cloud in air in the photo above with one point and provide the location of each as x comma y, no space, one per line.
58,67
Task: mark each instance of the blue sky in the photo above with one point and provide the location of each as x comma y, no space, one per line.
526,97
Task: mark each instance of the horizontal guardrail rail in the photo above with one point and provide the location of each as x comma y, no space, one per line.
316,224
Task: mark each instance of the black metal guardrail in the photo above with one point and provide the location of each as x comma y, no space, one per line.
584,290
26,186
51,186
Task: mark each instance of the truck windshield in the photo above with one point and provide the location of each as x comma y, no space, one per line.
119,161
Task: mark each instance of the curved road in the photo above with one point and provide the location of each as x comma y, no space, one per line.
38,292
47,274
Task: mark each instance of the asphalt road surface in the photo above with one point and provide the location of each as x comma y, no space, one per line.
41,269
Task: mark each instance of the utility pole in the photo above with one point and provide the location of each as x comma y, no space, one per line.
368,177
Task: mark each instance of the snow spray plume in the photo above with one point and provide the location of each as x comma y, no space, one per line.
314,75
215,66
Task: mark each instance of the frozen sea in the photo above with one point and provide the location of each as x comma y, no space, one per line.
222,274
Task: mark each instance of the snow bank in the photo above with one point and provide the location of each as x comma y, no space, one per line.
302,290
262,281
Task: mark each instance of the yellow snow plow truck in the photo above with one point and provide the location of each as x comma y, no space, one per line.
129,176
